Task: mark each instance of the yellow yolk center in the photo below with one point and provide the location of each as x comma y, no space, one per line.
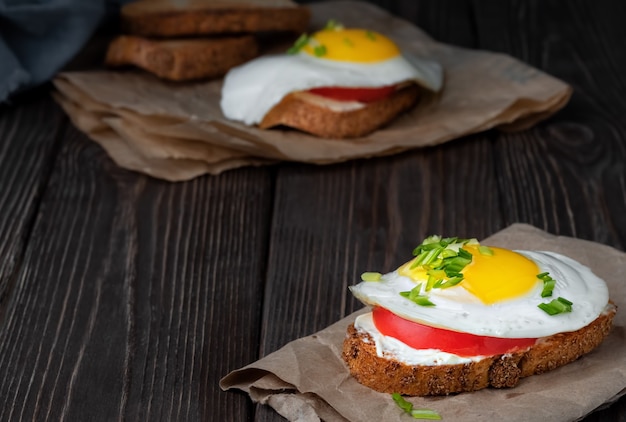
351,45
505,275
491,278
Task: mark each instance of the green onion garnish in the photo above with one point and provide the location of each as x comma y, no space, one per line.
407,407
556,306
370,35
443,258
371,276
319,50
548,284
414,296
452,281
485,250
348,42
299,44
333,24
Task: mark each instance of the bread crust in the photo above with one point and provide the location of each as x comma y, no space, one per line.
142,19
182,60
388,375
297,111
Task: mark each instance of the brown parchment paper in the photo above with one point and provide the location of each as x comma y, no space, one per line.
306,380
176,131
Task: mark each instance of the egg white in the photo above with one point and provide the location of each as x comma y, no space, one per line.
455,309
252,89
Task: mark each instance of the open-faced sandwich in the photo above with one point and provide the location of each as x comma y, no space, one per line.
461,316
336,83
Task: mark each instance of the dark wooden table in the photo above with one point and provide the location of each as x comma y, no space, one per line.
127,298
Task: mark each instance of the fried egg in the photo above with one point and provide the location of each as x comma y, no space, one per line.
498,296
333,57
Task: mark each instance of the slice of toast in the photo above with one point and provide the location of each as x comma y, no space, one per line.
388,375
177,18
335,119
184,59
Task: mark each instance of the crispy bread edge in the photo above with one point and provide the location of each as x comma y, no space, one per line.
499,371
177,23
295,112
181,60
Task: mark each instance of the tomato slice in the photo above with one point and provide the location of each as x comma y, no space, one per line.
420,336
363,95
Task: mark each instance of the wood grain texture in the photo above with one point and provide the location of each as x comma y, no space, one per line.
567,175
122,305
28,145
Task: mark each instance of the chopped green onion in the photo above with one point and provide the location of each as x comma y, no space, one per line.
425,414
333,24
371,276
370,35
485,250
556,306
348,42
407,407
444,284
548,284
299,44
402,403
319,50
414,296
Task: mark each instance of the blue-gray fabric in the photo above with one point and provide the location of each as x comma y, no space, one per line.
38,37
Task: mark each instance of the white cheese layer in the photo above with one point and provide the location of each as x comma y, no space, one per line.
391,348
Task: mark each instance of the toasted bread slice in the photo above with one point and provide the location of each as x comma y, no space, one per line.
336,119
391,376
185,59
171,18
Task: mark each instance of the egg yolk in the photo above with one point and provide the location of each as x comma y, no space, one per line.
501,276
352,45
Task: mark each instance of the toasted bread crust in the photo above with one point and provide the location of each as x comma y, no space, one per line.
180,60
500,371
297,112
212,20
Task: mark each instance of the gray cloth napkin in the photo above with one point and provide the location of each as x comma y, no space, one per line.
38,37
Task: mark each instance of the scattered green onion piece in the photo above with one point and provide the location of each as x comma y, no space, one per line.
370,35
465,254
371,276
425,414
402,403
414,296
453,281
485,250
348,42
548,284
319,50
299,44
448,253
556,306
407,407
333,24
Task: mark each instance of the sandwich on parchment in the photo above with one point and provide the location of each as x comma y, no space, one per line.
336,83
199,39
461,316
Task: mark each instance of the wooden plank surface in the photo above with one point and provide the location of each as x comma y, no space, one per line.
122,306
127,298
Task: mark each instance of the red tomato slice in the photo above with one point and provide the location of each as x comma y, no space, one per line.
363,95
420,336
